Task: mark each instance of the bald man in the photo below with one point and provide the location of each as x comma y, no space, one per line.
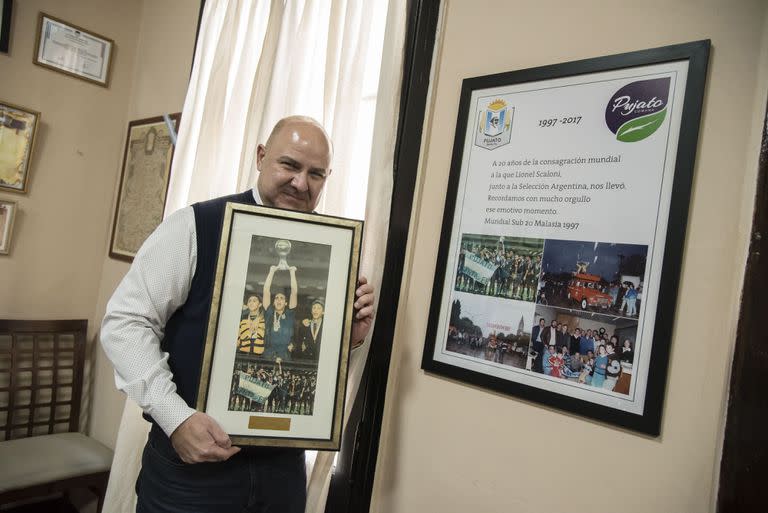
154,331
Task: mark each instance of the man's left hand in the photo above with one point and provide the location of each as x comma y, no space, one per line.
361,324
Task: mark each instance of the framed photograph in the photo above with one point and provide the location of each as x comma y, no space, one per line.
18,127
144,181
72,50
7,215
277,347
563,232
6,9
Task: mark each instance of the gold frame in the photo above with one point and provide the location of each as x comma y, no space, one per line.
15,207
28,167
35,60
334,443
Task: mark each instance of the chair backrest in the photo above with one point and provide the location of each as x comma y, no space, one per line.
41,376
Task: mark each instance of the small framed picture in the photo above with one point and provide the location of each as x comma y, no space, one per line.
276,355
72,50
6,8
143,184
18,127
7,215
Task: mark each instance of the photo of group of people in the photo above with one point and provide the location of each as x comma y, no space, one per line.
499,334
281,327
587,348
499,266
593,276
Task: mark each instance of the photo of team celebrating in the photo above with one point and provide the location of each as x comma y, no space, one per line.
586,348
499,266
281,327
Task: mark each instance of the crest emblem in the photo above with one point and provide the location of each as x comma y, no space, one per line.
494,125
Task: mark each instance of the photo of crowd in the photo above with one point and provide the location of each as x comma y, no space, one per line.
593,276
281,327
272,389
590,349
498,333
499,266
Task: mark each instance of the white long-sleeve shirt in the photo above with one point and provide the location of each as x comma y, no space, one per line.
157,284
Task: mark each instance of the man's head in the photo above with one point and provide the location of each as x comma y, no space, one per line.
554,324
294,164
318,308
542,322
279,302
254,302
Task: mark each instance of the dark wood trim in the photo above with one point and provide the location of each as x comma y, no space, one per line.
352,482
744,465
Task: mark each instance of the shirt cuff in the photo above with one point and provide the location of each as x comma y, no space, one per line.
170,413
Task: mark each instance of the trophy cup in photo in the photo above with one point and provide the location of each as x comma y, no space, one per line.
283,248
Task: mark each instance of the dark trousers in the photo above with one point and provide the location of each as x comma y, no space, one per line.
255,480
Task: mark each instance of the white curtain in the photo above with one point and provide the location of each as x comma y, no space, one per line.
256,62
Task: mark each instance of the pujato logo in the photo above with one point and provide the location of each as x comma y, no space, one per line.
638,109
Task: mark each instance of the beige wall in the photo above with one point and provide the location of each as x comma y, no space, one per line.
450,447
58,267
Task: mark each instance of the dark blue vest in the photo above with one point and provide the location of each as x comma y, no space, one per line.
186,329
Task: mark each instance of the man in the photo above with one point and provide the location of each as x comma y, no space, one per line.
550,334
563,338
537,342
251,331
154,332
311,331
279,320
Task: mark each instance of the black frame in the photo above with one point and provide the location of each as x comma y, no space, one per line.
697,55
5,26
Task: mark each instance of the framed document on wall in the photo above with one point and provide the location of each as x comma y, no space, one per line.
563,232
275,364
144,182
72,50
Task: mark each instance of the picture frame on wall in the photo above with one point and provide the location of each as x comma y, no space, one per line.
7,216
18,129
143,189
277,348
563,231
6,12
66,48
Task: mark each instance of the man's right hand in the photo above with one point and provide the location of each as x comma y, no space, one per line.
200,438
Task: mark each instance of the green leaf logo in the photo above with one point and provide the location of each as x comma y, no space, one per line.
639,128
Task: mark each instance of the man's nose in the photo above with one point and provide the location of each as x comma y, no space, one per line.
299,181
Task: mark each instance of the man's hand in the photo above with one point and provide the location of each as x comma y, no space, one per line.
361,324
200,438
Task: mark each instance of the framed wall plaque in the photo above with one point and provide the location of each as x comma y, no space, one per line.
563,232
275,365
7,215
144,181
72,50
18,128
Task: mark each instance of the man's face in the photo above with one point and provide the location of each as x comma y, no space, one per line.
294,166
317,310
279,302
253,303
554,324
542,322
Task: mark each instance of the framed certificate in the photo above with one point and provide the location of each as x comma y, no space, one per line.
563,232
18,128
275,365
7,215
143,184
72,50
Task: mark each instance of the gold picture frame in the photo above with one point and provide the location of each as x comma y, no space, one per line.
18,130
274,370
7,216
143,189
72,50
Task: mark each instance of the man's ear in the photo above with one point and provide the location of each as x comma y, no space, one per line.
260,152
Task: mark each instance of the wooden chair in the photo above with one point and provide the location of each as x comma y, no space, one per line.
41,383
